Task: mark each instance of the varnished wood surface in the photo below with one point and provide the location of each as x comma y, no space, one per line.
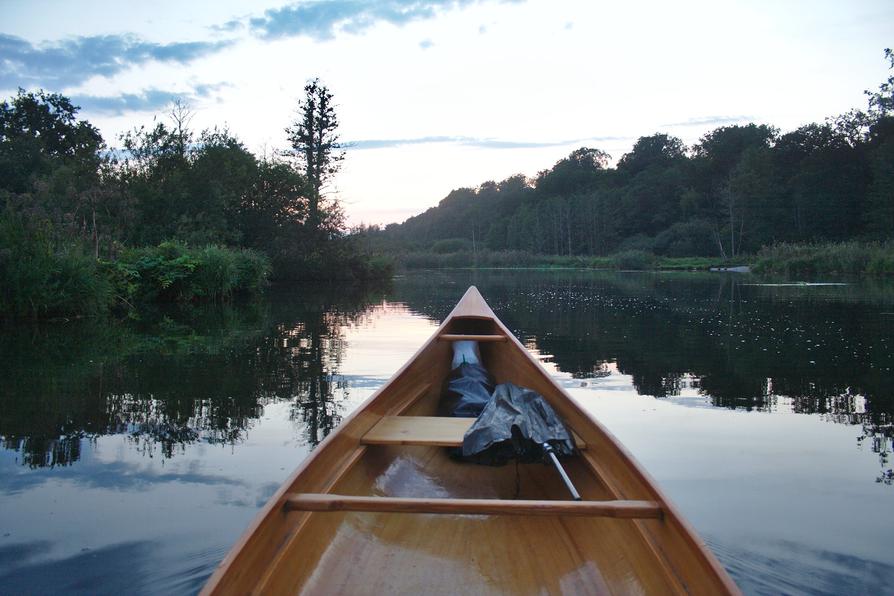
441,431
616,509
372,552
470,337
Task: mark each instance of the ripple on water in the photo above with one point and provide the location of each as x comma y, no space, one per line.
786,567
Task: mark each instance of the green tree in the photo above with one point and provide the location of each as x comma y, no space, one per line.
315,143
574,173
715,158
879,209
655,150
40,132
221,173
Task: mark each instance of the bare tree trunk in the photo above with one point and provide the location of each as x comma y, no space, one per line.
568,225
95,236
719,242
732,225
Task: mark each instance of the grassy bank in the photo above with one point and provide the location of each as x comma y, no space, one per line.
867,259
628,260
844,258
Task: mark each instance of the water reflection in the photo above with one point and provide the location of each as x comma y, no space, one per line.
826,350
160,438
176,377
205,375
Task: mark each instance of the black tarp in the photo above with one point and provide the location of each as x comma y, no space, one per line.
515,424
468,390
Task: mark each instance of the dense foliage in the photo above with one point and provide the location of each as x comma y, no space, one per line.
738,189
172,215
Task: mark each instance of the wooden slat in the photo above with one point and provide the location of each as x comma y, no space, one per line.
438,431
618,509
480,338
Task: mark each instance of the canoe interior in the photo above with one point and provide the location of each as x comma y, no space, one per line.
375,553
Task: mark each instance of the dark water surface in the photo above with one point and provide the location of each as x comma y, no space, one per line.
134,454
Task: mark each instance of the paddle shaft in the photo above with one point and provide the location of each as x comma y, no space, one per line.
551,453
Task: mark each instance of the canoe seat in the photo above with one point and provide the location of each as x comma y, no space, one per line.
438,431
617,509
478,338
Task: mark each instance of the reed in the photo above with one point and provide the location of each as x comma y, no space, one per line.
842,258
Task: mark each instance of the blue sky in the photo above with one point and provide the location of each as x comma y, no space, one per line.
437,94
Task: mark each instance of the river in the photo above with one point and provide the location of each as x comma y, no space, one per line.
134,453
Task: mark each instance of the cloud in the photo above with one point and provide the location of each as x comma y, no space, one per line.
72,61
115,475
473,142
426,43
148,100
229,26
322,20
712,120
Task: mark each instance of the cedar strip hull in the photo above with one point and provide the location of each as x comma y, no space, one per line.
337,549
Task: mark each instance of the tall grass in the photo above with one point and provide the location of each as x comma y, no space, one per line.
843,258
39,280
629,259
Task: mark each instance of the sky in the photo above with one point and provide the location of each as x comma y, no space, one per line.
434,95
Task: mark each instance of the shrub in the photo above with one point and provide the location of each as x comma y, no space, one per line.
451,245
173,272
37,280
640,242
844,258
633,259
686,239
333,259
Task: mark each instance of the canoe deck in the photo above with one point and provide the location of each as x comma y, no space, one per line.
442,431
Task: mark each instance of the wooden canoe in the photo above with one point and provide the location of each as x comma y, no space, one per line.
380,508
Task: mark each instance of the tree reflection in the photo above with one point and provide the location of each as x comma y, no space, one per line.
176,377
817,351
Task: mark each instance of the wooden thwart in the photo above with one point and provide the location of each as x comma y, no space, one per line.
617,509
478,338
437,431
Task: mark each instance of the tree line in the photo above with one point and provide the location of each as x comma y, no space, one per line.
67,197
738,189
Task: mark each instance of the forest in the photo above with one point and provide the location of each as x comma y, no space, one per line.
170,215
738,191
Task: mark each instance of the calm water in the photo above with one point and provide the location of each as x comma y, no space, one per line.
134,454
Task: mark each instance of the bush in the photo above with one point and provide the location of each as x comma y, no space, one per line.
686,239
451,245
844,258
37,280
640,243
173,272
332,259
633,259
